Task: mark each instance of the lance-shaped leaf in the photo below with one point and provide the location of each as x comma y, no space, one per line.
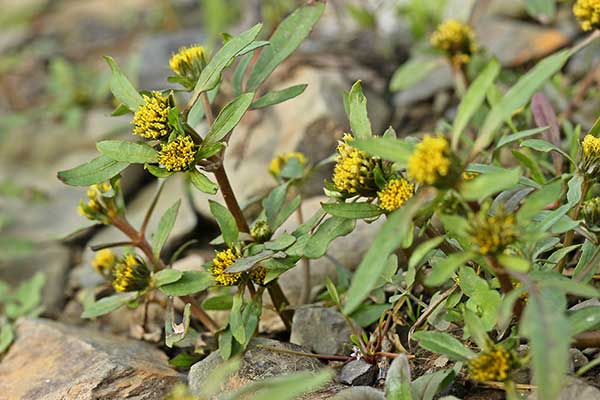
165,225
174,332
99,169
391,149
244,264
131,152
485,185
191,282
443,343
355,104
329,230
228,118
226,222
108,304
202,182
122,88
397,381
279,96
545,116
166,276
412,72
352,210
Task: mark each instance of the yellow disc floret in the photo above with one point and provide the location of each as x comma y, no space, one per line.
188,61
101,205
104,262
221,262
588,13
492,364
395,193
456,39
131,274
430,160
279,162
177,155
591,146
151,120
493,233
354,170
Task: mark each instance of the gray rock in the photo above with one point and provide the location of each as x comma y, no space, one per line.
358,373
575,389
360,393
53,262
257,363
51,361
438,80
323,330
578,359
584,61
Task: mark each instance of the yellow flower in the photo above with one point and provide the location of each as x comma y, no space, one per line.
493,233
131,274
258,275
492,364
188,62
104,261
588,13
430,161
221,262
591,146
178,154
469,176
279,162
456,39
151,120
101,205
395,194
353,172
590,161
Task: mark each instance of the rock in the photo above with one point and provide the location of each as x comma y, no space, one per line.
99,125
360,393
257,363
575,389
577,360
585,303
584,60
438,80
53,262
515,42
323,330
358,373
65,362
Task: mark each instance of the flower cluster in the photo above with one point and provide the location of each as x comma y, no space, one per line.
456,39
590,160
395,193
279,162
260,231
493,233
223,260
354,170
492,364
431,161
104,262
188,62
151,120
130,274
588,13
101,205
178,154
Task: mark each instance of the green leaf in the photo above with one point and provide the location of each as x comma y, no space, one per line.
222,302
545,10
582,320
273,203
587,253
236,324
281,243
285,211
389,238
476,328
7,336
191,282
279,96
228,118
574,192
485,185
391,149
427,386
332,228
444,269
514,263
99,169
352,210
108,304
504,140
517,96
443,343
357,112
549,333
245,263
286,38
166,276
473,99
175,333
122,88
202,182
367,314
412,72
422,249
131,152
286,387
544,146
157,171
239,73
165,225
226,222
211,74
397,381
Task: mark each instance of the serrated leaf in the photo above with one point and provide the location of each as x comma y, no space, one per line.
279,96
165,225
191,282
108,304
122,88
99,169
131,152
328,231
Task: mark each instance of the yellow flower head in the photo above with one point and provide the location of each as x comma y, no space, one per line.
430,161
591,212
492,364
188,62
456,39
354,170
469,176
395,194
588,13
104,262
101,205
260,231
177,155
590,160
591,146
151,120
493,233
131,274
221,262
279,162
258,275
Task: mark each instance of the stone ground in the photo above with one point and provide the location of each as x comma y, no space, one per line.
55,105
